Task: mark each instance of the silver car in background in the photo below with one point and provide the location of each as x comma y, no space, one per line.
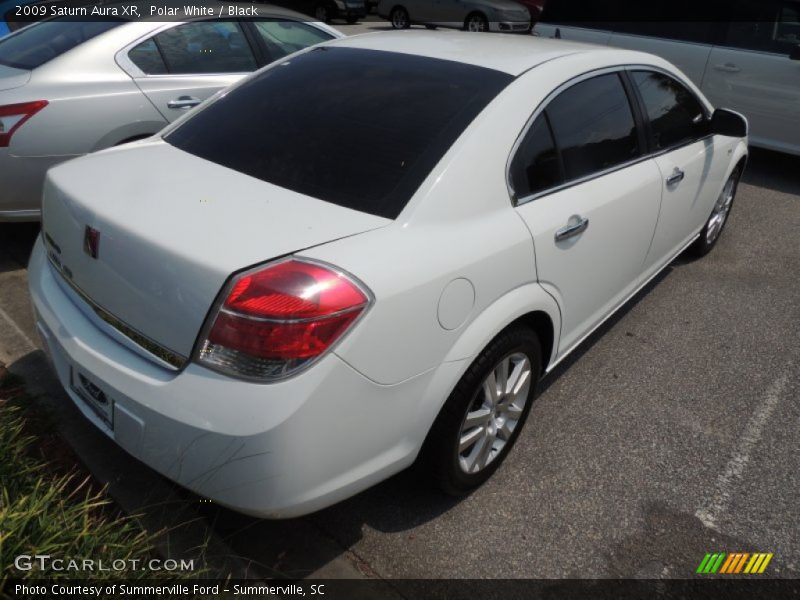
470,15
69,88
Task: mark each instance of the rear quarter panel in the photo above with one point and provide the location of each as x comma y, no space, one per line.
93,102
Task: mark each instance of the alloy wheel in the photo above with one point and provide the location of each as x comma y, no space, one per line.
721,211
477,23
495,413
399,19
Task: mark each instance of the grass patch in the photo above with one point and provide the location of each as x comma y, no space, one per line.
48,506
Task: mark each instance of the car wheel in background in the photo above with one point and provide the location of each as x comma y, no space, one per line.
485,413
476,22
719,216
399,18
430,26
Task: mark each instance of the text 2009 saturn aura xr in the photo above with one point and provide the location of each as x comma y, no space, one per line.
367,253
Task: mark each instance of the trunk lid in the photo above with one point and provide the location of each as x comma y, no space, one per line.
11,78
172,229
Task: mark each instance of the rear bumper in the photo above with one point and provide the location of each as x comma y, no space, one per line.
21,182
277,451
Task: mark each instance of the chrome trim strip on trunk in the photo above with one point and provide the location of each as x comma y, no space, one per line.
149,348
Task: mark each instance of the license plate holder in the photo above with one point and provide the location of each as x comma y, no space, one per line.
93,396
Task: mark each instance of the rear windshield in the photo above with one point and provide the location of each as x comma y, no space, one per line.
39,43
357,128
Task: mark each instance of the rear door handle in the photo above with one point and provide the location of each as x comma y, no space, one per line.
570,231
676,177
727,68
184,102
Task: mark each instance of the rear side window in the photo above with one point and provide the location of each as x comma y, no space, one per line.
285,37
357,128
41,42
676,116
205,47
593,126
148,58
536,165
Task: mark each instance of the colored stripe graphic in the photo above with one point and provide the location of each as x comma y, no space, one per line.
703,564
764,564
727,565
740,564
734,563
711,563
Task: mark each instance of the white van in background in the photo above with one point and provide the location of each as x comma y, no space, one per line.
748,59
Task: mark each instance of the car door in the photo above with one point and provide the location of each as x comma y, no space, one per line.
183,65
423,11
686,45
752,72
690,165
590,199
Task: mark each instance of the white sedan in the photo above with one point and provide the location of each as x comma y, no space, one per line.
367,253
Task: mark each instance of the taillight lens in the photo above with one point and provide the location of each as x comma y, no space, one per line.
13,116
277,319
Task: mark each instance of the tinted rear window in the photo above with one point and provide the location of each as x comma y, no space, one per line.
358,128
42,42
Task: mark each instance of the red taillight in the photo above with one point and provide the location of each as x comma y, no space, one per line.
279,318
13,116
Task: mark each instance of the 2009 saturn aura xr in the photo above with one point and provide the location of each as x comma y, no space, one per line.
368,252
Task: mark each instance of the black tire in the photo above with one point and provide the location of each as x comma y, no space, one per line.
322,13
432,27
399,18
710,234
476,22
442,458
352,20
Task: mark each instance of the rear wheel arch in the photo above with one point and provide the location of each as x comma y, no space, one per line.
442,454
529,305
542,325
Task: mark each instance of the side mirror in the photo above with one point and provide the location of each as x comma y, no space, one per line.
728,123
794,53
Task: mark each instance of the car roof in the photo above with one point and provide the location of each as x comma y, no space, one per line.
512,54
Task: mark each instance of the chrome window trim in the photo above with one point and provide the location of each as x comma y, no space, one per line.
565,86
